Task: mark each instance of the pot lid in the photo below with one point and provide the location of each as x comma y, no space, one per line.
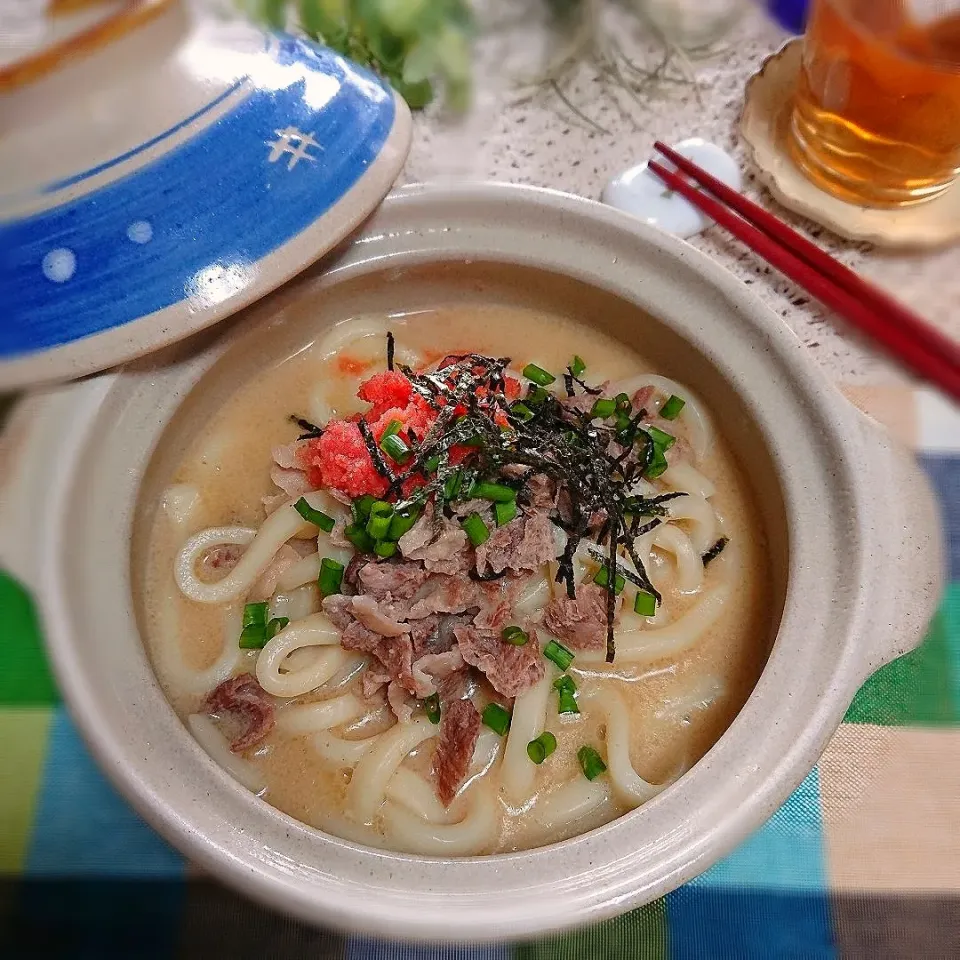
162,172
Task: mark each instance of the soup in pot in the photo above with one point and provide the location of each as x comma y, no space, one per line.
461,582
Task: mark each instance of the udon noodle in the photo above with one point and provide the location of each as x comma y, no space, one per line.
457,643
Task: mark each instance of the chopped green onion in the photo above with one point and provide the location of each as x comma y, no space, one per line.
431,463
393,428
381,513
255,614
359,537
538,750
498,492
645,604
253,636
602,580
578,367
452,485
536,396
671,409
567,703
395,448
476,441
515,635
538,375
661,438
431,707
504,512
317,517
361,508
496,718
331,577
521,411
558,654
385,548
604,408
623,403
476,529
401,522
591,763
658,465
566,682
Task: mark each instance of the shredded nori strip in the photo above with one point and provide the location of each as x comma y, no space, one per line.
376,455
486,577
592,461
715,550
312,430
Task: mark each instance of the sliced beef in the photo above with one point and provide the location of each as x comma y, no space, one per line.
272,504
448,595
368,612
439,544
351,575
496,601
580,624
434,634
293,483
420,534
394,653
339,609
523,546
424,633
392,581
374,679
266,585
459,729
542,492
432,667
400,701
287,457
218,561
456,685
245,698
510,669
287,471
643,399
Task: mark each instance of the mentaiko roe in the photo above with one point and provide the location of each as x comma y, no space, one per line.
340,458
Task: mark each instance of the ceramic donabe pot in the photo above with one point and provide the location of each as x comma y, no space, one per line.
851,523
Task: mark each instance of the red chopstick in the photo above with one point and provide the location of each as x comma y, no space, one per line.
905,335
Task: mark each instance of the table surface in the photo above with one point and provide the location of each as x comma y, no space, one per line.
863,861
544,144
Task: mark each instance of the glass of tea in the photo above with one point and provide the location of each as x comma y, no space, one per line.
876,118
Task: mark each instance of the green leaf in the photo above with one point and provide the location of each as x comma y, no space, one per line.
417,95
420,64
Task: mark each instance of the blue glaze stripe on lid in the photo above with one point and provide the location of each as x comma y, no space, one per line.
146,145
193,223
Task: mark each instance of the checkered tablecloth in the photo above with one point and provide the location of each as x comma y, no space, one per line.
863,861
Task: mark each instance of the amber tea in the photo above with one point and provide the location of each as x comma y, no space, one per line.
876,120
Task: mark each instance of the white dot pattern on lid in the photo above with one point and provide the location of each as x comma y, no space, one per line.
59,265
140,231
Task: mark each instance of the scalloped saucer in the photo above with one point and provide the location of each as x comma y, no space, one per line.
766,114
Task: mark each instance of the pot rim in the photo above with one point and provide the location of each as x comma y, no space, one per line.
690,825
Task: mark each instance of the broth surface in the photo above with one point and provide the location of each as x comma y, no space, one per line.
678,706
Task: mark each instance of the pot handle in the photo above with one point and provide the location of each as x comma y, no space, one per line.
909,541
